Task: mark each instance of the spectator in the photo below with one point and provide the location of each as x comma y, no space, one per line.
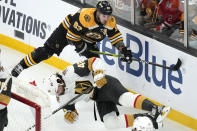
147,12
171,11
192,26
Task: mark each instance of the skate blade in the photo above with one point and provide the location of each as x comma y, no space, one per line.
165,111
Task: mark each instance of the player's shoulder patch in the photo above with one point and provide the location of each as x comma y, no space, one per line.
81,68
111,23
86,17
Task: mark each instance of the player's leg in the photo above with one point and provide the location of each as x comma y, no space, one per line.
120,95
54,44
4,119
109,115
138,101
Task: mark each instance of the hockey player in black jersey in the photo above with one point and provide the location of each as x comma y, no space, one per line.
82,29
107,93
5,96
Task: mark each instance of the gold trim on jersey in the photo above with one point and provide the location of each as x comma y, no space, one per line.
86,18
67,20
26,62
114,36
4,99
71,36
33,62
119,39
90,62
29,61
66,23
139,102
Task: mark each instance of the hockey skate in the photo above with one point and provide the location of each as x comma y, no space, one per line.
159,113
17,70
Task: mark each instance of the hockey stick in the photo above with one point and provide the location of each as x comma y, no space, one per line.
62,106
174,68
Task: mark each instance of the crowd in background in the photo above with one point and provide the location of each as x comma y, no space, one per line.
164,16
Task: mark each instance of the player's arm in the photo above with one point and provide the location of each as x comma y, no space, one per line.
116,40
5,97
74,30
71,114
92,65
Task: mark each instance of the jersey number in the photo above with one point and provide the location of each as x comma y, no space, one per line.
76,26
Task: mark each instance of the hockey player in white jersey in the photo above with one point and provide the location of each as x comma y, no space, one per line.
5,96
107,93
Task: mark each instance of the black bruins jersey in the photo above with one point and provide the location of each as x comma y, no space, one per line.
83,26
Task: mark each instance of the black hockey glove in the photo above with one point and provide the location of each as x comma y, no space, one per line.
81,48
126,55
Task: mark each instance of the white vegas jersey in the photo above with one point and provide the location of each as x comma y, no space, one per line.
88,72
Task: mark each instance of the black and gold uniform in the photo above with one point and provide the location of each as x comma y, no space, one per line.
5,97
83,30
84,26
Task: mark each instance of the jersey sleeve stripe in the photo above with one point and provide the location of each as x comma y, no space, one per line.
74,35
120,36
114,42
116,35
29,55
29,61
64,25
67,21
26,62
72,39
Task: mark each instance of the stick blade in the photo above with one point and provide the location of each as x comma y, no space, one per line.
178,64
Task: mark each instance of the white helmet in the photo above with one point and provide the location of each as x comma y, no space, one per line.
142,123
52,83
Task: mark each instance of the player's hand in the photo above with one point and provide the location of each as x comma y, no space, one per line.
81,48
126,55
70,116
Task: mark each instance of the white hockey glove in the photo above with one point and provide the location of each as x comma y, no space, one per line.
71,116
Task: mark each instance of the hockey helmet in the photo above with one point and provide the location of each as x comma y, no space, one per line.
142,123
53,82
104,7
